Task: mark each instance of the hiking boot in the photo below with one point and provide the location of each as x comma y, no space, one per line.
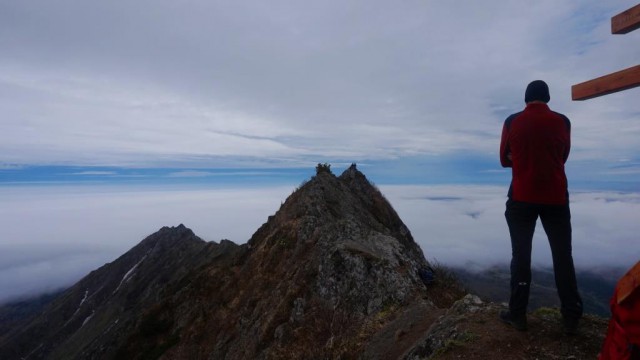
570,325
518,322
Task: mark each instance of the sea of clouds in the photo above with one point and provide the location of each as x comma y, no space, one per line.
54,235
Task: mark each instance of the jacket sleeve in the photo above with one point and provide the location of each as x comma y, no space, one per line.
568,145
505,149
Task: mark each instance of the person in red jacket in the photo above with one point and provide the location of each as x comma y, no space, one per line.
535,144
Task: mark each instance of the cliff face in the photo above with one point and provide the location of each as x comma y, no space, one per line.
316,280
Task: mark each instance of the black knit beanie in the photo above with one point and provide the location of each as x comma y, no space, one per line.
537,91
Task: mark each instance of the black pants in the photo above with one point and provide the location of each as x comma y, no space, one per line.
556,221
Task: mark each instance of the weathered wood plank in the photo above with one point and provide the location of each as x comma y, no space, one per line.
618,81
626,21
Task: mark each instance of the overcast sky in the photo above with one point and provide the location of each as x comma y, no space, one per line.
255,93
290,83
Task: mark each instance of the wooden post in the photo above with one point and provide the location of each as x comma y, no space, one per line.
622,23
608,84
626,21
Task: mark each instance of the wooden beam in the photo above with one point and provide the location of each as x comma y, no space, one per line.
626,21
618,81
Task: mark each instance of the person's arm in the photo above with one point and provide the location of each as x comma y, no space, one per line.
505,150
567,149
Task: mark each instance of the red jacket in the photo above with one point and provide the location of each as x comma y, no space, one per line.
535,144
623,336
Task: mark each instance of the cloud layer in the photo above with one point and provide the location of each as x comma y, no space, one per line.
52,236
458,225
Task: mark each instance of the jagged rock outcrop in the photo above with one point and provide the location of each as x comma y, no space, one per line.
332,269
313,282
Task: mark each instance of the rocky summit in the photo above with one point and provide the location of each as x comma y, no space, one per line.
333,274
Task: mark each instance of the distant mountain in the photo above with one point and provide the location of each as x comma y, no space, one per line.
333,274
102,306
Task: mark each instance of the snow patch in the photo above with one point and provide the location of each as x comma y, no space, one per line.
88,318
128,274
110,327
86,293
33,351
84,298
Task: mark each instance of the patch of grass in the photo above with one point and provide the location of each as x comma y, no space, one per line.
446,288
285,243
390,308
377,321
547,312
458,341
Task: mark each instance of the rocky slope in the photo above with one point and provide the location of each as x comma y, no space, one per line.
100,308
333,274
470,329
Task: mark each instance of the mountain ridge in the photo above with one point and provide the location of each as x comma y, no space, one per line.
333,274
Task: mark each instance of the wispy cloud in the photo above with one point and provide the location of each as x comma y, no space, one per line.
199,173
95,173
191,173
11,166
